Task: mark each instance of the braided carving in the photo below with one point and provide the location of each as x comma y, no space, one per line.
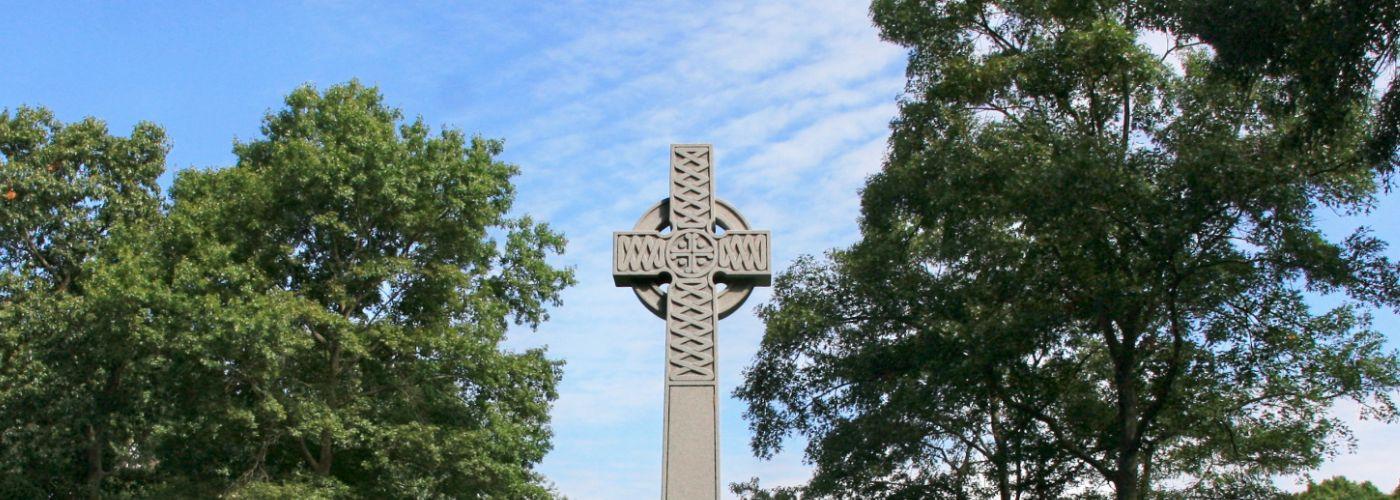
744,252
691,308
692,203
638,253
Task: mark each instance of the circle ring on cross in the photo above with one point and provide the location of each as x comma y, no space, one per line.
726,218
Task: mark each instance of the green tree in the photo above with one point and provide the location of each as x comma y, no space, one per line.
1341,488
349,295
1084,262
321,320
750,490
80,347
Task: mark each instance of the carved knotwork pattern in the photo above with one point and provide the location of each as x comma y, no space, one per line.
745,252
691,330
639,253
692,203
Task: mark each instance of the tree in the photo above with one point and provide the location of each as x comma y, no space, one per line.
80,347
1084,263
1341,488
321,320
350,297
750,490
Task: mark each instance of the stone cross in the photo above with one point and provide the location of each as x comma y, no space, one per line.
677,274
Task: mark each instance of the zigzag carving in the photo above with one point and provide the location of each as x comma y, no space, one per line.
691,328
639,253
744,252
691,190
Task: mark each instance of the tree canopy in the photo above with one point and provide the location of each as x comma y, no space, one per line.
1341,488
1084,266
322,319
79,343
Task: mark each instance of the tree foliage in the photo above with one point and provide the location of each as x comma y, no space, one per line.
1084,263
80,347
1341,488
322,319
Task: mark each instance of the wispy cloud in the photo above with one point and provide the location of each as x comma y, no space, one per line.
796,98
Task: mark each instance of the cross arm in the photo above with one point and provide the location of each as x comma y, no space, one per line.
639,257
745,257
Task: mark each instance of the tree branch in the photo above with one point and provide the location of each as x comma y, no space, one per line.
1162,392
306,453
996,36
1060,438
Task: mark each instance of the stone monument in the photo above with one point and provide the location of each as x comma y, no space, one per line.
675,259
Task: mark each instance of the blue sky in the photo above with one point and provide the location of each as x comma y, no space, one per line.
796,98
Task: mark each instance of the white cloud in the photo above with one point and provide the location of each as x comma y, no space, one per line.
796,98
1373,459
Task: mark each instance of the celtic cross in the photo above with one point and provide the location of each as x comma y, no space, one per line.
675,274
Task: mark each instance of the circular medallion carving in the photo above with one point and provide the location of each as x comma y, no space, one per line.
691,253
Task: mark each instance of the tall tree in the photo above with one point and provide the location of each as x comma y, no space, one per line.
79,347
1084,261
321,320
356,297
